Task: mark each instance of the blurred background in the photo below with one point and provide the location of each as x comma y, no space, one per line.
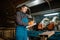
39,10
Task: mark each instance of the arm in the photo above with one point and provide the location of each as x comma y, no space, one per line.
19,19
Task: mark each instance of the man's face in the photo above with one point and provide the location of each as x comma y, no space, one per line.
24,9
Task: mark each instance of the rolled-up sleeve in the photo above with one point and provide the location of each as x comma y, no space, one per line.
19,19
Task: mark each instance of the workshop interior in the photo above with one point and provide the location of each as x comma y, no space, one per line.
45,18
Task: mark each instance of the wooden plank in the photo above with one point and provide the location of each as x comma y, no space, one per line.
46,35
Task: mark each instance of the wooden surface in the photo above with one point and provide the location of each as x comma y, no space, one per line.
46,35
7,33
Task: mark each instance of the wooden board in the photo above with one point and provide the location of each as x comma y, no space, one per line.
47,33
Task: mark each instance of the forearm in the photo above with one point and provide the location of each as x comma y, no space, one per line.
22,23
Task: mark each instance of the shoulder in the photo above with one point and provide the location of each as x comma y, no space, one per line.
18,13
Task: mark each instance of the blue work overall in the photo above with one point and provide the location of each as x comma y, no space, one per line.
21,31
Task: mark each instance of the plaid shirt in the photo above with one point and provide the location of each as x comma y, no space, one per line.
20,16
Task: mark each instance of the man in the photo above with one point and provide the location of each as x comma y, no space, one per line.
22,21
